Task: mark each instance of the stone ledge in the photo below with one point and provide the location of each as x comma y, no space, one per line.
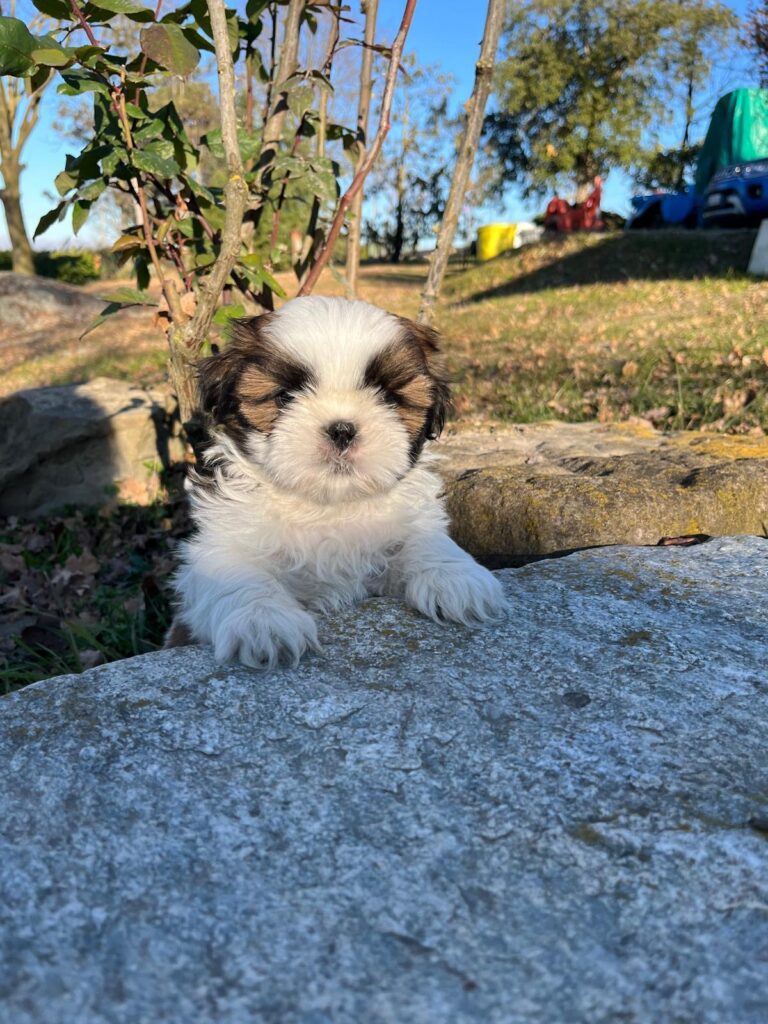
520,493
543,821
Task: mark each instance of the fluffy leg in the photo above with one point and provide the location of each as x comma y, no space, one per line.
244,612
443,582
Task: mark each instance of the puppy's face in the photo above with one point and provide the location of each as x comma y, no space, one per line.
332,399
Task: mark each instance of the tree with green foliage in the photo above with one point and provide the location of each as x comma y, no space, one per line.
585,87
757,38
190,234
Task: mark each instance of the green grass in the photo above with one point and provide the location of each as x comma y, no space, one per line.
666,327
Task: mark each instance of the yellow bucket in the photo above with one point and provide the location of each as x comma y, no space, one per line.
493,239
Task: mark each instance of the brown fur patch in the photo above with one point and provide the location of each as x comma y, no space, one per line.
256,391
411,375
238,386
417,396
178,635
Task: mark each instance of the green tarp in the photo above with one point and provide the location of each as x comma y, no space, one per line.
737,132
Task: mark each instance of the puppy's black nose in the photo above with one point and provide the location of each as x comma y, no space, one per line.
342,434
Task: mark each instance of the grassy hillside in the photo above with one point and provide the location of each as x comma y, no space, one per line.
662,325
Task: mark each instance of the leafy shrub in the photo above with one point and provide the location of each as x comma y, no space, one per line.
73,267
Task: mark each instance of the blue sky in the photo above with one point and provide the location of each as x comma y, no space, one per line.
444,32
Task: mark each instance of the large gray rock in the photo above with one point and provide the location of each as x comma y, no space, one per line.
543,821
30,304
80,444
516,493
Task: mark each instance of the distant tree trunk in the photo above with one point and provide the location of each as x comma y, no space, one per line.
466,158
21,249
370,9
19,113
583,188
398,238
689,112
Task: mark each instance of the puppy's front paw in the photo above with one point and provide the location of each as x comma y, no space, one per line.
263,636
459,592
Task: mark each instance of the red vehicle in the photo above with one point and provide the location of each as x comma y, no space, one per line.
562,216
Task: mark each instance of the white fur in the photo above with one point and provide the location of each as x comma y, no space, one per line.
293,527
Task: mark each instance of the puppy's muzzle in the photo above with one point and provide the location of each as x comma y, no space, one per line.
342,434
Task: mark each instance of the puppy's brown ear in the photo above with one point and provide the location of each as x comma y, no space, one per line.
216,378
217,375
428,341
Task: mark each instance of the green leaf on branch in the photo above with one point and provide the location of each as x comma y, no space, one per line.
130,297
258,276
136,112
250,143
64,182
199,42
80,211
168,47
141,267
16,46
105,10
58,9
49,52
255,8
126,242
50,218
75,83
300,99
224,314
94,190
86,53
110,310
113,159
153,163
151,130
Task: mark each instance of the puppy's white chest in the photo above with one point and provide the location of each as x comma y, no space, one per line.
330,567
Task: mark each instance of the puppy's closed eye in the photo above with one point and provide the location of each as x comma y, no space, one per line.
283,398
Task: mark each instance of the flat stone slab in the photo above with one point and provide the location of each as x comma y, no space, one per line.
548,820
521,492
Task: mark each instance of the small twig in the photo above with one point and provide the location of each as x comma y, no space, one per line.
278,104
235,192
362,171
82,19
333,40
465,159
283,190
170,293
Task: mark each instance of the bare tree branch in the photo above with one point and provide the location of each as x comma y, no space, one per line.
273,125
84,23
370,158
370,7
169,290
463,168
235,191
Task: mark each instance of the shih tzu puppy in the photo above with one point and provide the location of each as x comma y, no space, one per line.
316,490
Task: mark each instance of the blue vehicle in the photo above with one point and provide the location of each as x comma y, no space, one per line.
665,210
731,186
737,196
